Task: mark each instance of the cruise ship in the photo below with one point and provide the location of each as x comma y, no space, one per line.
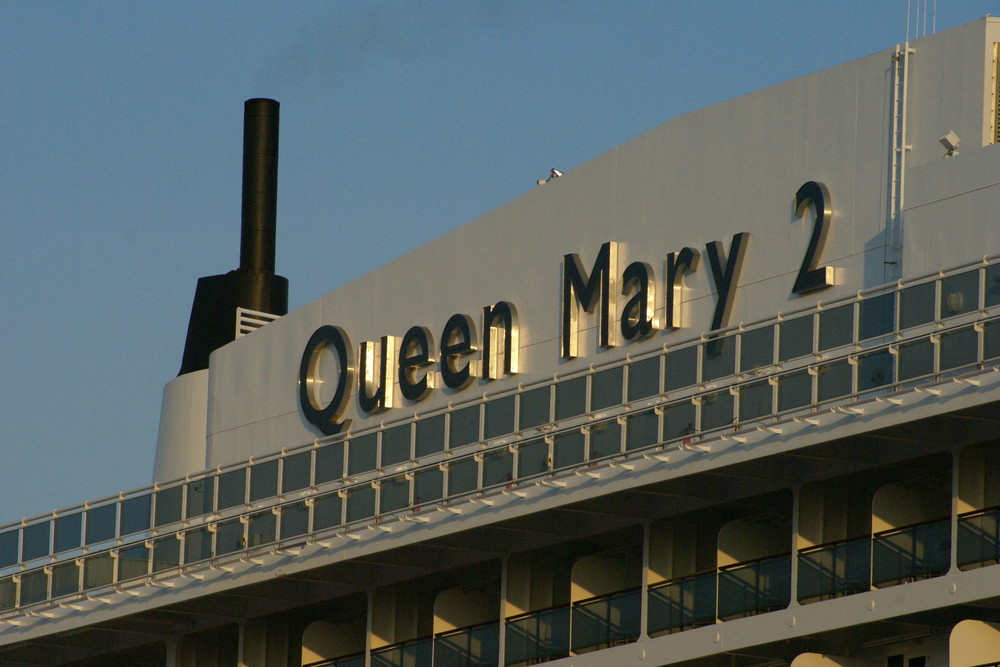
728,394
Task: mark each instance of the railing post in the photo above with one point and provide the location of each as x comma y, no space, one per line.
502,622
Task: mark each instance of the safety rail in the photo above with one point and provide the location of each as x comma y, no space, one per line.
885,340
834,569
978,538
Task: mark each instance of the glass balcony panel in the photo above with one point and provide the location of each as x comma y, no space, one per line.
606,621
795,337
835,569
992,294
499,417
916,305
756,348
65,579
197,545
34,587
959,294
916,359
263,480
229,537
360,503
10,541
877,316
678,421
416,653
98,571
716,410
68,532
537,637
755,400
428,486
294,520
757,587
133,562
330,462
569,449
571,398
532,458
296,472
8,594
644,378
362,454
718,358
605,439
463,476
606,388
232,488
875,370
101,523
534,408
134,515
682,603
682,368
395,445
35,541
912,552
463,427
979,538
395,494
959,348
200,497
166,553
836,327
262,528
991,340
834,381
469,647
327,511
642,430
794,391
430,435
498,467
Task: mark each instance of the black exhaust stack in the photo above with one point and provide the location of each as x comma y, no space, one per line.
254,285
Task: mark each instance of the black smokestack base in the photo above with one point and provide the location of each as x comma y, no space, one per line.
254,285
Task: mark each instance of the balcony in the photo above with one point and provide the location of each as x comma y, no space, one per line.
835,569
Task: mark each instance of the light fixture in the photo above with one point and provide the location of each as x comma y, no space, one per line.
950,142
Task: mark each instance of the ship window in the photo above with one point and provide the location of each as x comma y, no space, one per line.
360,502
135,514
534,408
294,520
755,400
875,370
34,587
8,547
568,449
395,494
795,338
682,368
166,553
327,511
605,439
261,529
960,294
395,445
716,410
642,430
959,348
133,562
430,435
877,316
916,359
644,378
362,454
992,296
65,579
98,571
678,420
836,327
168,507
101,522
8,594
499,418
463,476
264,480
834,381
606,388
330,462
532,458
756,348
428,486
464,427
200,496
197,545
35,541
498,467
991,340
67,532
232,488
794,390
229,537
718,358
295,471
916,305
571,398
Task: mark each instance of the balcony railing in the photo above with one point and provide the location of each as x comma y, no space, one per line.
835,569
537,636
979,538
755,587
682,603
912,552
606,620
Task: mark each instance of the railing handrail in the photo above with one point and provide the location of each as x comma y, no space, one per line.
902,529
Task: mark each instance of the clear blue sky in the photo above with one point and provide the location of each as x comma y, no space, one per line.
120,163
